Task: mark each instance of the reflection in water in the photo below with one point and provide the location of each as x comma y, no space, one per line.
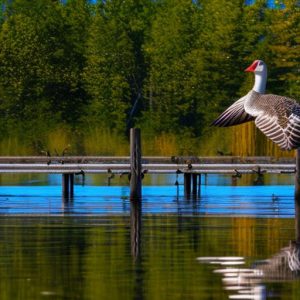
297,217
135,237
104,257
135,228
67,205
284,265
249,283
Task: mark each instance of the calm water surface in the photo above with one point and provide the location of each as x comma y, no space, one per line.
101,246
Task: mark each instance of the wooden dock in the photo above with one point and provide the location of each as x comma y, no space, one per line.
190,167
150,165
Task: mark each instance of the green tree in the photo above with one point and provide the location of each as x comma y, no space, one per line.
194,63
217,74
21,66
168,90
284,45
115,68
42,45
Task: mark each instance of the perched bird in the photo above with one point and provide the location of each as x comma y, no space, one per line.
278,117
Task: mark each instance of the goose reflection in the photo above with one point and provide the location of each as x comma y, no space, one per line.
248,283
284,265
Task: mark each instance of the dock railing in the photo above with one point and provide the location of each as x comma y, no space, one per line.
150,164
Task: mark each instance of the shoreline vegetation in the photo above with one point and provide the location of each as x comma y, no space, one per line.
243,140
75,75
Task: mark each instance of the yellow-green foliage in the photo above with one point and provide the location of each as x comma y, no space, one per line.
163,144
100,141
242,140
59,141
14,146
247,140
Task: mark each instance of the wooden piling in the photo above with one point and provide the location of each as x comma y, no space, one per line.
199,185
67,185
187,184
135,164
297,196
71,185
195,185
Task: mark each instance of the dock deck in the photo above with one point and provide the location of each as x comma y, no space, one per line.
150,165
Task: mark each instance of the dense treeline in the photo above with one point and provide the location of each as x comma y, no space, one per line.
169,66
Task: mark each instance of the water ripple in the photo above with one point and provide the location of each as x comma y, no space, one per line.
261,201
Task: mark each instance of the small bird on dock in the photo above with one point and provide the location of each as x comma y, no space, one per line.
278,117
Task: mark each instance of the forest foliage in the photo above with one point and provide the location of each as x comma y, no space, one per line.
167,66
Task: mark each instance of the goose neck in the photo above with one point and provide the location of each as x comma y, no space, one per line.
260,82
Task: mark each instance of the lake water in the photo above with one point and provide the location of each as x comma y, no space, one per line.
233,242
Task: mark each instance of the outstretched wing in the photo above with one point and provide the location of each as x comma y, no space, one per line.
233,115
281,121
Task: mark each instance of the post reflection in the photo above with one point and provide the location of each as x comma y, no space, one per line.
135,234
135,227
297,218
67,206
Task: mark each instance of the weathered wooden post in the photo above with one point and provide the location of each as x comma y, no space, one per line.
135,164
297,196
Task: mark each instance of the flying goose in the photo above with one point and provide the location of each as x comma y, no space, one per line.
278,117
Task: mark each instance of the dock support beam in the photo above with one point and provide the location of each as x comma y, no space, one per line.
71,185
199,185
135,164
67,185
195,180
187,184
192,184
297,196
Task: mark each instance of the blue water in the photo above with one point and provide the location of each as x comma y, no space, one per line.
262,201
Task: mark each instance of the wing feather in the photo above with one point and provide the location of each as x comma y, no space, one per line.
286,134
272,130
233,115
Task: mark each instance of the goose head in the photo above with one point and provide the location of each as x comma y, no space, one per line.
259,68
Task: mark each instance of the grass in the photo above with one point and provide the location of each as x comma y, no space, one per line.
14,146
99,141
240,140
59,141
162,145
